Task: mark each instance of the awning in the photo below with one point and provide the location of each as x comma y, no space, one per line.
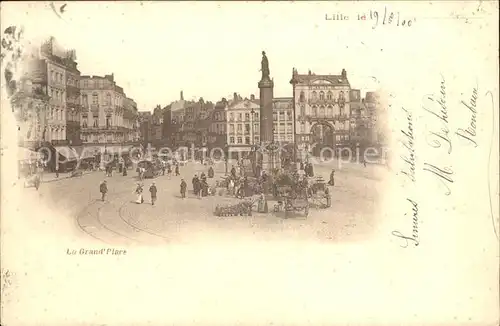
69,153
25,154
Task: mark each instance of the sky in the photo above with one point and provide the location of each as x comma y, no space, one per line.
210,50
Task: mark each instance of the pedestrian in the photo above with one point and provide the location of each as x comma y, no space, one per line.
177,169
196,185
210,172
124,170
169,170
153,191
103,188
138,192
332,178
163,168
183,188
233,172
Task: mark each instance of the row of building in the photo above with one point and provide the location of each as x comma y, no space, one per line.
326,112
56,106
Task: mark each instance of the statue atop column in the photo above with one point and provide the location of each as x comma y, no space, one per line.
264,66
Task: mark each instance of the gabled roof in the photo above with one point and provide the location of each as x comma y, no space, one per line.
243,104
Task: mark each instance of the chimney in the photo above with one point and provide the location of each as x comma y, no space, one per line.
252,97
182,95
344,73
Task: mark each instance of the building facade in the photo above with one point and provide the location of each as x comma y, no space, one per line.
58,62
103,118
322,111
243,123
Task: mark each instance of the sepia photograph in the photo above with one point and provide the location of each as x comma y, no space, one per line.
309,159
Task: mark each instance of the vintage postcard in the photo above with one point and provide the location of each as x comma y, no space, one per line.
249,163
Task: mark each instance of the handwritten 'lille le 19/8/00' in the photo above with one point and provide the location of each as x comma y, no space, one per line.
388,18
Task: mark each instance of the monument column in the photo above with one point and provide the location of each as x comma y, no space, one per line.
266,86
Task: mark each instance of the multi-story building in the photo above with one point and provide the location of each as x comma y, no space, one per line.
131,120
322,111
30,104
217,131
243,122
283,120
73,107
57,61
157,127
243,127
103,117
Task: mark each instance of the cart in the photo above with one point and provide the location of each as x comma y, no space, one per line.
319,194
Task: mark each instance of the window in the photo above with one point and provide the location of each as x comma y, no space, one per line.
240,116
289,115
314,111
231,128
95,99
85,100
231,116
256,139
289,127
247,128
239,140
302,97
302,110
314,95
96,121
256,116
256,128
240,127
108,121
247,140
84,124
231,140
85,83
302,128
275,116
52,75
329,111
322,111
108,99
51,92
329,96
247,116
322,96
289,137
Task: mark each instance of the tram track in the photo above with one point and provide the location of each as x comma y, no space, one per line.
121,216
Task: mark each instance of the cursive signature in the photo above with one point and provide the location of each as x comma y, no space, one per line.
436,137
470,132
443,174
414,235
409,145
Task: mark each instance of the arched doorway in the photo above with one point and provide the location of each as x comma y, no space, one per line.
322,137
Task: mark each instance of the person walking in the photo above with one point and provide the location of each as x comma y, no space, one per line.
177,170
138,192
183,188
153,191
196,185
332,178
103,188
